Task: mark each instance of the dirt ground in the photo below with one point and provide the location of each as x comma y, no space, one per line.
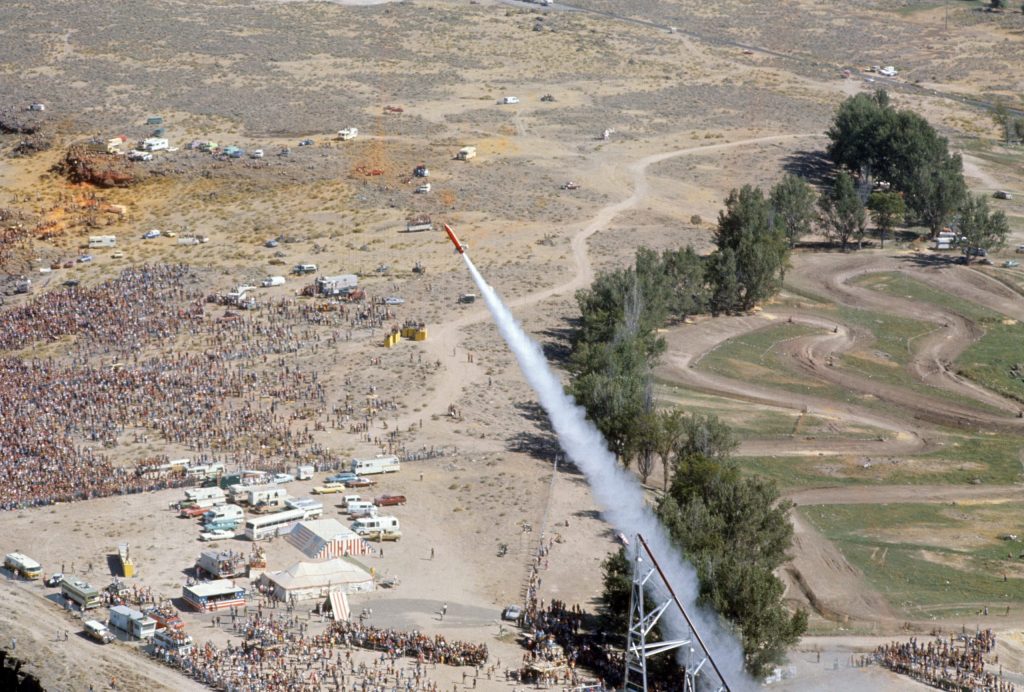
736,93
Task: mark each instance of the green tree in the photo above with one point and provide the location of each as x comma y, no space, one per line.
856,132
980,228
672,431
842,212
725,293
736,531
887,209
684,277
618,580
706,436
792,201
936,193
610,386
759,247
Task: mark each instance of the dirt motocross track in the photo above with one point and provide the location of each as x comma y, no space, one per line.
819,575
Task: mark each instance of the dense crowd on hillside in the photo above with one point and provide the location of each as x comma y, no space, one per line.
143,303
956,663
117,383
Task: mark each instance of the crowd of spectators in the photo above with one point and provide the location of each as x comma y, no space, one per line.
953,663
422,647
279,653
143,303
125,376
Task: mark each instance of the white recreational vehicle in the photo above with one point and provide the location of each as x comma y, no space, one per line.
380,528
378,464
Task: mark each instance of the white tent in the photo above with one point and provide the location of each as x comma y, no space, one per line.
305,580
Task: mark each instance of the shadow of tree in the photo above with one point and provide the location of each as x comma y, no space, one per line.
813,166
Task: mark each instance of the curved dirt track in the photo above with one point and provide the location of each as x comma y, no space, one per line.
819,575
446,335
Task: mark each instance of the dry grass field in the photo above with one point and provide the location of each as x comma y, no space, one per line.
870,428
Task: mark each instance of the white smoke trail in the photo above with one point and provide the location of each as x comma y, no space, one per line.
616,491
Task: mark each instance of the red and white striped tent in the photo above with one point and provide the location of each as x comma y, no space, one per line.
323,539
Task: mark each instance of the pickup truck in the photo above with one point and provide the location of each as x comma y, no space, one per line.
389,500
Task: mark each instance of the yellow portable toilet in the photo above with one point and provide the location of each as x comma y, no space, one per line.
421,334
127,566
393,338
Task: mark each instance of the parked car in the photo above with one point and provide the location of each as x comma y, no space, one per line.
888,71
69,264
1010,264
389,500
511,612
71,283
55,579
394,300
270,243
1002,194
280,478
117,255
360,482
154,233
220,534
85,258
256,154
343,477
976,252
306,143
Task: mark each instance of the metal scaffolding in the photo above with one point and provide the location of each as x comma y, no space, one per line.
696,661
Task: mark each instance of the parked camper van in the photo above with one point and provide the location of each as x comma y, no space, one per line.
361,508
385,527
379,464
223,512
272,281
304,473
132,622
97,631
22,565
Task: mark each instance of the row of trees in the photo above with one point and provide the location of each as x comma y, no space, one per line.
924,182
733,529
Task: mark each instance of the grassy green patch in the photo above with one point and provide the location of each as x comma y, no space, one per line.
752,356
992,460
929,556
996,361
896,284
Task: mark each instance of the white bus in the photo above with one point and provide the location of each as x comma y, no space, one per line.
269,525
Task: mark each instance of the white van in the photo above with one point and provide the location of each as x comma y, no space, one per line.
386,527
272,281
361,508
224,513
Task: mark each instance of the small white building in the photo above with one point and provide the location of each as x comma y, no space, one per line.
315,580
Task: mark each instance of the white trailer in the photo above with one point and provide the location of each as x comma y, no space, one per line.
264,494
466,153
155,144
304,473
273,281
348,133
98,241
198,494
379,464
